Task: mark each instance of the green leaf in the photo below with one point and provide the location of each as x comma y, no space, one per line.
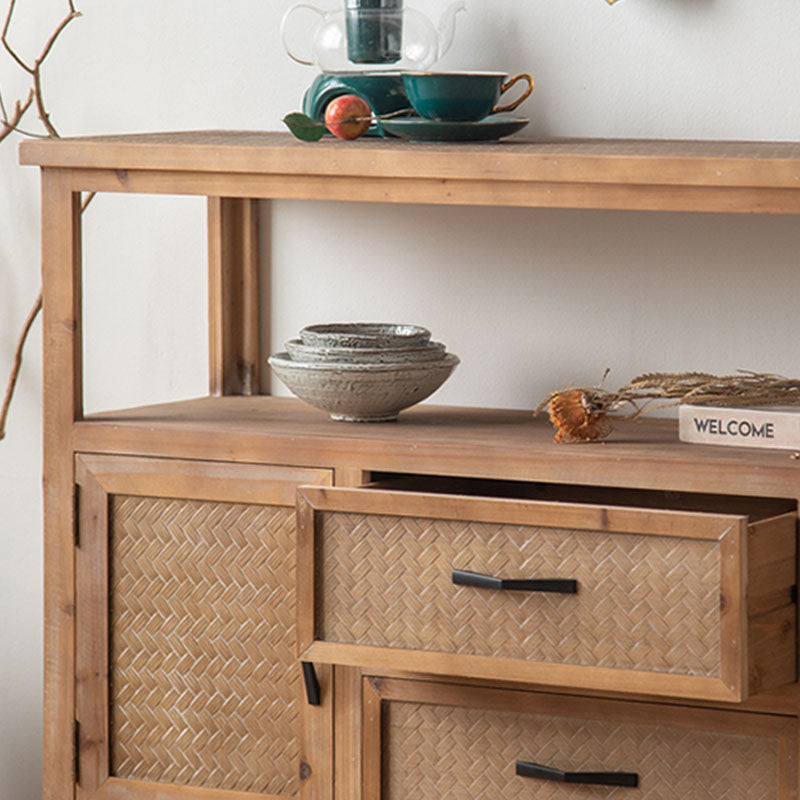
304,127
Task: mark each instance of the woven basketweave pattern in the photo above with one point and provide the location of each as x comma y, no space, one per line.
643,602
462,754
204,684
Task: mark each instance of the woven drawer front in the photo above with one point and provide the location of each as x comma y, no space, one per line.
454,753
204,686
644,602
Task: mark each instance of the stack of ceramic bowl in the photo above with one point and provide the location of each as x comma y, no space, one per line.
363,372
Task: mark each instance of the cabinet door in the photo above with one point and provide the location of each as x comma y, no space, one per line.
187,677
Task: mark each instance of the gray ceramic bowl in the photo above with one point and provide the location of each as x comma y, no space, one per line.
362,392
364,334
432,351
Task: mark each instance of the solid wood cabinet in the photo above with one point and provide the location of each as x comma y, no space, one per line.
174,564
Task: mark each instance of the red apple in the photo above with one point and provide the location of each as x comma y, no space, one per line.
348,116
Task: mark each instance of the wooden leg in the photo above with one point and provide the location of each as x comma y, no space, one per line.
234,346
61,268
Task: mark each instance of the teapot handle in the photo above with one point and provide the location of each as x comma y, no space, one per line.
283,31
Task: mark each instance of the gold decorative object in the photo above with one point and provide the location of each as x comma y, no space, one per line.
581,413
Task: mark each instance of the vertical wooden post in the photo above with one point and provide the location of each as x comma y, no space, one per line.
347,721
233,299
63,404
92,633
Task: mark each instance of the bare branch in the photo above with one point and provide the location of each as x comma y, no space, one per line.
12,381
4,38
37,93
73,14
12,124
36,70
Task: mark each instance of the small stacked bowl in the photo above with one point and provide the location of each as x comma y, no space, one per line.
363,371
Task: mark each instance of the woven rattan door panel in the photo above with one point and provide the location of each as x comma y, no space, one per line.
453,743
204,688
204,685
659,605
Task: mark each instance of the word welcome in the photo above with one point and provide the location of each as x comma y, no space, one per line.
735,427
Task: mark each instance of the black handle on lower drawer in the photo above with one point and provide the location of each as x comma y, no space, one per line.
562,585
528,770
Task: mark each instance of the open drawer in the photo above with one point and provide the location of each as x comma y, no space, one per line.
615,597
421,740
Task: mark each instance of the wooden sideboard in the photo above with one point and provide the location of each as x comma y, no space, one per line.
244,599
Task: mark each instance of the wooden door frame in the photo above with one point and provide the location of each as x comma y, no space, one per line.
99,476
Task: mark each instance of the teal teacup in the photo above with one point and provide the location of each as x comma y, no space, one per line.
461,96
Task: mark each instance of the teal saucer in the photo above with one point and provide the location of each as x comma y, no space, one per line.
419,129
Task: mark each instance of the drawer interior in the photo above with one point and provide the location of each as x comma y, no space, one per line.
755,508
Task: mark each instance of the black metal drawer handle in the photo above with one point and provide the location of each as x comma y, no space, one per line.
528,770
562,585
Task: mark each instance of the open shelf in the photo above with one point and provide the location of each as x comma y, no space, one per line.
490,443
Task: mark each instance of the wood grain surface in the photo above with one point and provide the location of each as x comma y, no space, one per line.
574,173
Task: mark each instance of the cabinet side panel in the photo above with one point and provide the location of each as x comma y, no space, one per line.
204,686
772,564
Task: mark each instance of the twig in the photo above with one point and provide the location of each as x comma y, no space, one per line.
12,381
12,124
35,70
4,37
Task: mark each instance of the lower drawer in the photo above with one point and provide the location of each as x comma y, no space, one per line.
424,740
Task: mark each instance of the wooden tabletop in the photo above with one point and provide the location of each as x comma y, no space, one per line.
673,162
753,177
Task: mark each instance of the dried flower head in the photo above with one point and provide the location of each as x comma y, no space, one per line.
577,419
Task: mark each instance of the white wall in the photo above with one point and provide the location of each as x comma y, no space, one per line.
530,299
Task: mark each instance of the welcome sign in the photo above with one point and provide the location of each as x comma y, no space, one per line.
771,426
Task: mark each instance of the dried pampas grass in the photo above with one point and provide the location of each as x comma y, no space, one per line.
581,414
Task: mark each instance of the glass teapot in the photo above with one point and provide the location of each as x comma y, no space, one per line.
374,33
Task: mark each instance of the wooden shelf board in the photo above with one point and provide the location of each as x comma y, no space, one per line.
760,177
669,162
430,439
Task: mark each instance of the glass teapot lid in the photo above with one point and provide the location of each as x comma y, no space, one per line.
369,35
